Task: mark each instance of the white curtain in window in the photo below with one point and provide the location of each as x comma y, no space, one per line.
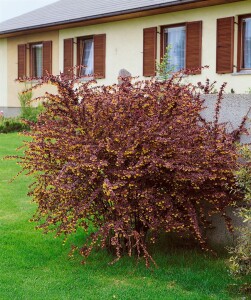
38,60
247,43
176,38
88,57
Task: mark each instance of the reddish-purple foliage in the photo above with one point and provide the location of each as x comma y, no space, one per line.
131,160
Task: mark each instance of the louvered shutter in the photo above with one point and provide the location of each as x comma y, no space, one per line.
99,55
193,45
149,51
21,49
225,45
68,55
47,57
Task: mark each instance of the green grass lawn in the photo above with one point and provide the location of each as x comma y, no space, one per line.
36,266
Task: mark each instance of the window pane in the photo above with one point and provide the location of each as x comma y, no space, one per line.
247,43
37,60
87,58
176,38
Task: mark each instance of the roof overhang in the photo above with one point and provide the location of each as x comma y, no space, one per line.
174,6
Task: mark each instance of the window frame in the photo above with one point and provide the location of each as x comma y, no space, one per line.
240,43
163,41
31,65
79,58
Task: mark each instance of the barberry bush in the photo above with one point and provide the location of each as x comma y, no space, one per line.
131,161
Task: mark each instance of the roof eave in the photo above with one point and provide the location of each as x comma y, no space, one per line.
117,16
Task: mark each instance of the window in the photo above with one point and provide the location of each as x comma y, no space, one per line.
246,57
86,56
175,37
185,40
35,57
90,52
244,42
36,60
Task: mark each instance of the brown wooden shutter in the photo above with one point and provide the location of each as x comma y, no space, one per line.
21,50
193,45
68,55
225,45
47,57
149,51
99,55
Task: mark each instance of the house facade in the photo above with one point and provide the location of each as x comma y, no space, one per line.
111,35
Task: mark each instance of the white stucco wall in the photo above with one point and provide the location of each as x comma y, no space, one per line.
3,73
232,110
124,42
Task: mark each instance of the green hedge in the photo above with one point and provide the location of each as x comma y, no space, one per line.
14,124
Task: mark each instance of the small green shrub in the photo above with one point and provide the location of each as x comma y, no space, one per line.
31,113
28,112
241,259
164,68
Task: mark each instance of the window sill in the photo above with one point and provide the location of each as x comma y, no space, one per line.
36,81
85,79
243,72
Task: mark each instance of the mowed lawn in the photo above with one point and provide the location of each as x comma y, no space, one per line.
36,266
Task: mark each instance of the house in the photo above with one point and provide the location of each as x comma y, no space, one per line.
109,35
